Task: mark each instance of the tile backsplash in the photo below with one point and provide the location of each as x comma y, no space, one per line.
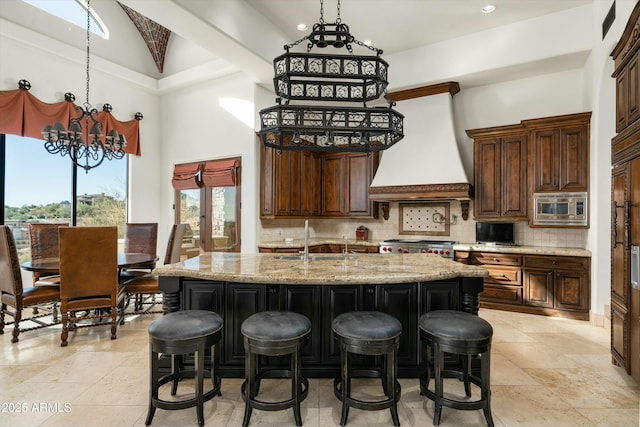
379,229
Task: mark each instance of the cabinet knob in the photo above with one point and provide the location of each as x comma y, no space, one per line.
496,260
370,291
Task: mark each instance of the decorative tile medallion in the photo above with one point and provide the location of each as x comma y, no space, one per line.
428,219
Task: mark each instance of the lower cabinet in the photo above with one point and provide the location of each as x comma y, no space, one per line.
321,304
538,284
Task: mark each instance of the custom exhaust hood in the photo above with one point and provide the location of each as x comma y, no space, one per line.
426,165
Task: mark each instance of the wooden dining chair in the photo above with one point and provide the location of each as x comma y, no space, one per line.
88,278
12,294
140,286
43,241
140,238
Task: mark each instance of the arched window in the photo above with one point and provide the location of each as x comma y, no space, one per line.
73,11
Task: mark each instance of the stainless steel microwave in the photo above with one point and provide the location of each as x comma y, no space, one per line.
560,209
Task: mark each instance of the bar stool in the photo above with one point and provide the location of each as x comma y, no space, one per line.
274,333
178,333
368,333
462,334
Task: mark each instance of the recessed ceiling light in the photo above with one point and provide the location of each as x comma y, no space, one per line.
368,42
488,8
302,27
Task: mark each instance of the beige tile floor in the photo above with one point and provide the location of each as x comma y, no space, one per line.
545,372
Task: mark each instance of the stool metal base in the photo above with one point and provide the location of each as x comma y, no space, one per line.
255,347
196,346
434,355
388,375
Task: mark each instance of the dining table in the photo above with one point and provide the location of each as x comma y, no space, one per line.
52,265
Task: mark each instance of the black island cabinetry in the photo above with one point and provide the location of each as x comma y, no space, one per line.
321,304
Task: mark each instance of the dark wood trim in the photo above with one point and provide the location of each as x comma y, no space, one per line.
460,190
418,92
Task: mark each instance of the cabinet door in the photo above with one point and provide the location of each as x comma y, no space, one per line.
538,287
359,176
620,182
633,89
439,296
620,335
487,164
287,183
546,160
514,188
202,295
333,184
242,300
401,302
571,290
267,189
622,99
335,301
305,300
310,183
574,159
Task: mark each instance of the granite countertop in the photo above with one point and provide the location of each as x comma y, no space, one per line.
525,250
363,270
315,241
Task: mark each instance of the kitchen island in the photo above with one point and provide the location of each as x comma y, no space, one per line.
238,285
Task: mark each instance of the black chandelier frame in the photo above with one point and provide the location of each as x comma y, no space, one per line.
330,79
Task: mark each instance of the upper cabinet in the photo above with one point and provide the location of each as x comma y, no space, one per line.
500,160
308,184
560,151
512,162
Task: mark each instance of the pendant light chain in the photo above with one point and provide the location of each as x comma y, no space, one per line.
338,20
87,105
321,12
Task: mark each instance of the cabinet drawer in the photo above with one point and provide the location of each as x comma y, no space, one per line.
493,258
502,294
461,256
555,262
503,275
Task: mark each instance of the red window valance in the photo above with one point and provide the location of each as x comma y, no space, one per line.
220,173
187,176
21,113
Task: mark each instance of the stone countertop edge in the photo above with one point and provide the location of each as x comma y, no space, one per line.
315,241
525,250
366,269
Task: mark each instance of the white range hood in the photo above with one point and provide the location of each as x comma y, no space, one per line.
426,163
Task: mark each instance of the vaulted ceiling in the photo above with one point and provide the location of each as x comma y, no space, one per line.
166,38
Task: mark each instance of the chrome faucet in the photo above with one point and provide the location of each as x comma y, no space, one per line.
305,255
345,252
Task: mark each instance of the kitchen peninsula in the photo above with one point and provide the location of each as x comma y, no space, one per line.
238,285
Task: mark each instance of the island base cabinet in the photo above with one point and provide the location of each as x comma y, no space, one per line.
235,302
242,300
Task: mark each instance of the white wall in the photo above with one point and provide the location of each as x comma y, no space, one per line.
196,127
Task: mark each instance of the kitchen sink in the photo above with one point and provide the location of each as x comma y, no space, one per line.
317,257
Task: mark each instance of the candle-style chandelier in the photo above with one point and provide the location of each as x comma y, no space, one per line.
82,142
329,79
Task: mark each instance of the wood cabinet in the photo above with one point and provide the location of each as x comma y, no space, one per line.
560,148
325,248
539,284
625,200
512,162
308,184
500,165
557,282
290,183
345,184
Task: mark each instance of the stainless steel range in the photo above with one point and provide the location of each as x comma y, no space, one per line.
402,246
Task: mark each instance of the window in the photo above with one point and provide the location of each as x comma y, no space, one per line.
73,11
39,187
208,200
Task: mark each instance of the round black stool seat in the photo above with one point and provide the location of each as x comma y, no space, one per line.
274,333
368,333
465,335
176,334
